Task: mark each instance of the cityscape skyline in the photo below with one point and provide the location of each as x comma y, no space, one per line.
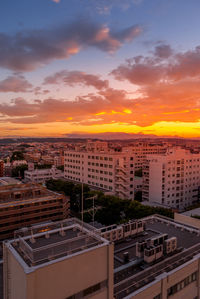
89,67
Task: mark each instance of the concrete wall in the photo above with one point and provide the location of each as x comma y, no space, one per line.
187,220
14,277
155,182
161,286
64,278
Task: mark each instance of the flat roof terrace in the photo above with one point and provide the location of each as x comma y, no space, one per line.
26,200
51,242
136,273
30,192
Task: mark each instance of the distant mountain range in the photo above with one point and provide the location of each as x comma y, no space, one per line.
121,136
110,136
78,137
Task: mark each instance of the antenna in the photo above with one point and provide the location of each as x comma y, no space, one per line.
82,202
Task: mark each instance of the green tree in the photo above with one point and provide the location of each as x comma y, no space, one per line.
18,171
17,155
72,190
61,167
138,196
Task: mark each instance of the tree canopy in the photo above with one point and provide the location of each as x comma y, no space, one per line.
111,209
17,155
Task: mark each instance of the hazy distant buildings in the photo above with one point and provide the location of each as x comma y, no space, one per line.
16,163
172,179
5,181
41,175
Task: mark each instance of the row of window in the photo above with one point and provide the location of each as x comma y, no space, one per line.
182,284
74,155
182,161
73,161
72,166
100,158
74,172
100,171
91,290
101,165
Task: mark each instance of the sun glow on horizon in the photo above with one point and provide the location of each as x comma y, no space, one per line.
59,129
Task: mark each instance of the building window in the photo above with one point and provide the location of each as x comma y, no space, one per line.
182,284
87,292
92,289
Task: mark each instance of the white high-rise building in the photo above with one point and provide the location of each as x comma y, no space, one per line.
102,168
172,179
142,149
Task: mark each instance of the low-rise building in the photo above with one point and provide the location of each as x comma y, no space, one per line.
25,204
42,175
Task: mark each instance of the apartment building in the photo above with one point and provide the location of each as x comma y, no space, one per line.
172,179
66,259
41,175
102,168
25,204
32,156
140,150
156,258
59,160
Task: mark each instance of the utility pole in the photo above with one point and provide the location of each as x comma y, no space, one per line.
82,203
93,208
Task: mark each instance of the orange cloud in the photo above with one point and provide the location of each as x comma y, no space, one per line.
165,95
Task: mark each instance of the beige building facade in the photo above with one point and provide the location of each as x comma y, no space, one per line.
71,260
22,205
78,265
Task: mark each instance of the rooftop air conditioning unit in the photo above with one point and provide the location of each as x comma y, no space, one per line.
170,245
140,247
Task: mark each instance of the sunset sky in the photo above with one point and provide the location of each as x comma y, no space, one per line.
77,66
